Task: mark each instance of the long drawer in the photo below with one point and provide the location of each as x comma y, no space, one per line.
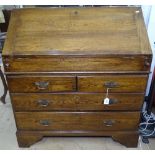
77,120
41,83
75,101
73,63
115,83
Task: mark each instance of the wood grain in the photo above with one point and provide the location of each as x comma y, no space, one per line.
27,83
125,83
72,63
75,101
76,30
77,120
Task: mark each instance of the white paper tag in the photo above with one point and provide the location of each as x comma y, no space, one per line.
106,100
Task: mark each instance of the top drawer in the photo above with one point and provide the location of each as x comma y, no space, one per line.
115,83
24,84
77,63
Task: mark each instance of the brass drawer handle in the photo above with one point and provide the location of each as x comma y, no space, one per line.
43,102
111,101
111,84
42,85
109,123
44,122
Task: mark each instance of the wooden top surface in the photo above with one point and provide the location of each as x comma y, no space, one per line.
77,31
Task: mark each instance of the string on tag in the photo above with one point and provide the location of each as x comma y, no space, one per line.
107,92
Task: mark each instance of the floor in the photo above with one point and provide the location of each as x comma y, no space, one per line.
8,139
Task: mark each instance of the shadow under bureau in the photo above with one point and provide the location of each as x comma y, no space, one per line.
77,72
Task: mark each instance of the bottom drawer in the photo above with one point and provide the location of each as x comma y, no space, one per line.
77,120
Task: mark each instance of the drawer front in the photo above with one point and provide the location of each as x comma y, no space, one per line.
77,120
115,83
76,101
23,84
77,63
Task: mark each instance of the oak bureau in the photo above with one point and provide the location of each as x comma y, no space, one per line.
77,72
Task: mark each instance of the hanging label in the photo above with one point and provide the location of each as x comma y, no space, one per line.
106,100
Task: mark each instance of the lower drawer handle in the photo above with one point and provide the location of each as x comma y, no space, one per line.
111,84
44,122
43,102
42,85
111,101
109,123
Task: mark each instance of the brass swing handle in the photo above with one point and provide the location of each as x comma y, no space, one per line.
109,123
111,101
43,102
42,85
44,122
111,84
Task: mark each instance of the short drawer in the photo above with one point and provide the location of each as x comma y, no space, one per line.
72,63
115,83
75,101
77,120
41,84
